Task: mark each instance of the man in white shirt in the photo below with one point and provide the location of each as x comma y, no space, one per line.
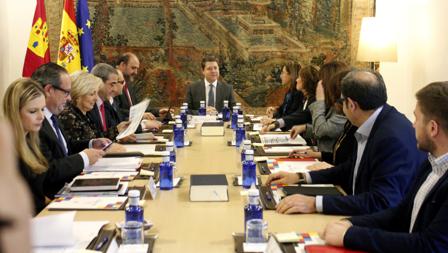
210,89
420,222
67,159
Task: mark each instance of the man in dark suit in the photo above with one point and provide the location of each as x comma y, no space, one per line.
65,157
420,222
128,63
384,162
209,90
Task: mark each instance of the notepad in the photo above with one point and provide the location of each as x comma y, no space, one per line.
87,203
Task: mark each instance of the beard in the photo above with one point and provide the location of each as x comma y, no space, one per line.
425,144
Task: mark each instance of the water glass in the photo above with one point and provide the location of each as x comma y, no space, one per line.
132,232
256,231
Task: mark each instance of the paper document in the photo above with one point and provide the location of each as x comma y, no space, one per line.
288,166
257,127
87,203
123,175
282,149
195,119
271,139
135,116
146,149
83,233
53,230
116,164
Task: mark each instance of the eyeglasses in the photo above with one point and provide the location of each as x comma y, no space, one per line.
341,100
66,92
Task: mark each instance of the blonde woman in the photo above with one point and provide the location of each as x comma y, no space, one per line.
73,119
23,106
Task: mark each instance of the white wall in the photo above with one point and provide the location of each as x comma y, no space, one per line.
422,48
15,26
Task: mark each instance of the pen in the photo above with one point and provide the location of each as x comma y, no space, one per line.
101,243
107,146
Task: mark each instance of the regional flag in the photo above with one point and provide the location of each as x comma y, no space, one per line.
38,51
85,35
69,55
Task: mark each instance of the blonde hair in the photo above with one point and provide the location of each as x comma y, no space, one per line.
18,94
84,84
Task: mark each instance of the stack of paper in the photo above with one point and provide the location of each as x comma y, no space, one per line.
116,164
195,119
146,149
288,166
60,233
87,203
282,149
279,139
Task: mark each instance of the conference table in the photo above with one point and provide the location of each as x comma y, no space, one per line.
184,226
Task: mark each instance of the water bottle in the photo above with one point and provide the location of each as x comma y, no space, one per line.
166,172
177,117
234,117
246,146
185,104
253,209
183,116
240,110
226,111
249,172
179,134
202,111
170,148
134,212
240,133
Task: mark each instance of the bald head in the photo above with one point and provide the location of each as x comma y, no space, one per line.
365,87
128,63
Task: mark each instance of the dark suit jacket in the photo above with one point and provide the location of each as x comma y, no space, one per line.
112,120
122,103
196,93
388,231
386,169
291,103
63,168
299,116
35,184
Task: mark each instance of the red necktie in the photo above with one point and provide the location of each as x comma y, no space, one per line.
103,116
126,91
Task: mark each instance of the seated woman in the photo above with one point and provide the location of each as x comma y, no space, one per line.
344,144
292,98
74,119
306,84
327,122
23,106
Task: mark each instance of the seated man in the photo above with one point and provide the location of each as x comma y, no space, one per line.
383,165
420,222
66,157
209,90
128,63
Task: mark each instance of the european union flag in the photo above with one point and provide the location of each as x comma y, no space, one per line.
85,36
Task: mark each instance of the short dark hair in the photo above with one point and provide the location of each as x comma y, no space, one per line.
103,70
124,58
366,87
433,101
49,73
293,69
209,58
310,78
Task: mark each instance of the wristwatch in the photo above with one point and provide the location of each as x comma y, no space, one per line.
302,178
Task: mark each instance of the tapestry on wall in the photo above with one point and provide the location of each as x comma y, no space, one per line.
252,39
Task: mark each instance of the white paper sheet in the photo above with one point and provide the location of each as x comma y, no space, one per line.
146,149
292,166
282,149
53,230
116,164
270,139
135,116
87,203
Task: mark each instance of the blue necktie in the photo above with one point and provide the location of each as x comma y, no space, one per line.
211,96
58,133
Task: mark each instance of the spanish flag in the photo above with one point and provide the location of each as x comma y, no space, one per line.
69,55
38,51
